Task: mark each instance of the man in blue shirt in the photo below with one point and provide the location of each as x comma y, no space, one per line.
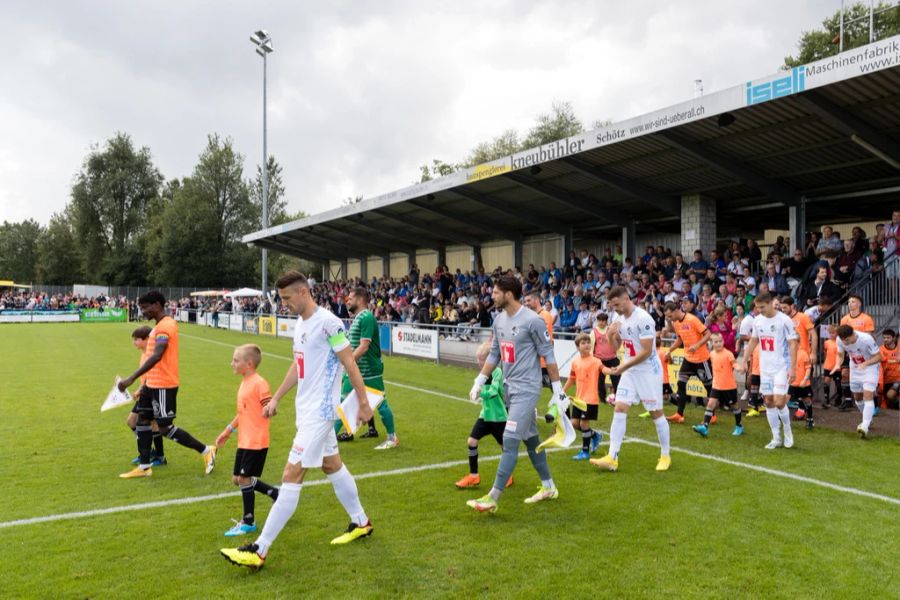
699,265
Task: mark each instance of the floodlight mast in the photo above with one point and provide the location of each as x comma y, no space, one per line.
263,42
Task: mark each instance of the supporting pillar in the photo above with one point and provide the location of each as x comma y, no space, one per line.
568,246
442,256
629,241
477,262
410,261
518,251
343,269
364,269
698,225
386,266
797,225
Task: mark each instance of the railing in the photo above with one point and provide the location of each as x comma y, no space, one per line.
880,293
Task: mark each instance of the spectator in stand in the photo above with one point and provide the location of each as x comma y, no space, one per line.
846,263
779,247
830,242
754,256
699,266
860,242
583,322
822,285
812,242
568,317
718,264
736,266
776,282
721,322
796,265
749,281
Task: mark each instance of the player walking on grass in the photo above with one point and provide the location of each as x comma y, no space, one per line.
321,351
491,420
865,371
776,336
520,338
253,435
585,373
692,334
724,387
859,321
800,390
366,344
642,378
139,338
161,387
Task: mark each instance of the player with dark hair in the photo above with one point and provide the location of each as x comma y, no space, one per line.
139,338
865,371
161,387
890,368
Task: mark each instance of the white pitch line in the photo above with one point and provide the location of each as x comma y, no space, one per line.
712,457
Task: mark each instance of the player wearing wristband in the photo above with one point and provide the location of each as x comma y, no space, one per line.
321,352
253,435
520,339
642,378
865,371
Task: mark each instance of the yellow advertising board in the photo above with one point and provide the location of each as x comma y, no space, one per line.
267,325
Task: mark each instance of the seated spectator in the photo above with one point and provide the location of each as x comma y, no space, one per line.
776,282
698,265
736,266
584,320
749,281
717,263
830,242
796,265
568,317
811,291
846,263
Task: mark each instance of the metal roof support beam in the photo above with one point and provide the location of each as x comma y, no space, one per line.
467,224
343,239
664,202
777,190
568,198
544,224
378,237
430,232
863,134
291,250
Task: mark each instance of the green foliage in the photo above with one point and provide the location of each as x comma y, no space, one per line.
19,250
503,145
438,168
59,261
705,529
559,123
822,43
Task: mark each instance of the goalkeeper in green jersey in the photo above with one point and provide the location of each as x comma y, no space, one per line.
491,420
366,344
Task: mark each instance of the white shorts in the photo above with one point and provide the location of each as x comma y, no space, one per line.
314,441
773,384
641,388
864,380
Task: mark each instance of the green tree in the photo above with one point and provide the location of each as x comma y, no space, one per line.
557,124
19,250
822,43
503,145
438,168
59,262
109,200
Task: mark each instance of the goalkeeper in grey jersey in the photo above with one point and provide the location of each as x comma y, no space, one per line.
520,340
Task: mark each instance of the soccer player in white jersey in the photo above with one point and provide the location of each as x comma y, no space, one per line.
776,336
642,376
865,370
321,353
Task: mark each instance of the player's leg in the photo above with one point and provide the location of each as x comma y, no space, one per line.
144,437
711,404
826,390
131,422
684,374
780,400
756,401
387,418
704,374
846,392
473,479
521,414
626,395
244,480
868,384
164,413
347,494
806,398
892,394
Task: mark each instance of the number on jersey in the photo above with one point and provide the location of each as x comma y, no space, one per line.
629,347
508,352
300,370
767,343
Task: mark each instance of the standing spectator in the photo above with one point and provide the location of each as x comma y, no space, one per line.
754,255
721,323
699,266
779,247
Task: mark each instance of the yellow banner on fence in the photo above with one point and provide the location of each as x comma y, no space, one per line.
267,325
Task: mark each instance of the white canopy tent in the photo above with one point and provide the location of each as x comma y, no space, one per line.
244,293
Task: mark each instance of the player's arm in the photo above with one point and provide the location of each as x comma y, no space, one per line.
542,339
703,340
873,360
226,433
570,380
813,345
162,343
290,380
839,361
489,365
675,345
345,355
793,344
648,347
744,360
361,349
612,335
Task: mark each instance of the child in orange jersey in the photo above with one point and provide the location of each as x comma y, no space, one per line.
139,338
831,352
585,373
801,389
724,387
253,435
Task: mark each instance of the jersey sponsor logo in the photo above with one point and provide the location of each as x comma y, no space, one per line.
515,330
767,343
511,425
629,347
303,338
298,357
508,352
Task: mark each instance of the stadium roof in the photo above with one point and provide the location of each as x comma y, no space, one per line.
823,134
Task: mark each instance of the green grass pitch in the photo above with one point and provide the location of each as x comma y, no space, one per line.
705,529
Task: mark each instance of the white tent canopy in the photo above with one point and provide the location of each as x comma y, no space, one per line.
244,293
211,293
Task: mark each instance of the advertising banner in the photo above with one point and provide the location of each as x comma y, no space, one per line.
384,336
107,315
414,341
267,325
286,327
27,316
236,323
251,324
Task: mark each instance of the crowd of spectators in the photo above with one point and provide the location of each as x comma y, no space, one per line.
15,299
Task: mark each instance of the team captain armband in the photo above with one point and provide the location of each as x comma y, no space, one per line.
338,340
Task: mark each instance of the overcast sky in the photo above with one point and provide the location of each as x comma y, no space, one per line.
360,93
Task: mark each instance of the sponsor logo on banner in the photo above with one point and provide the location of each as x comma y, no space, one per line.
792,83
27,316
487,170
413,341
286,327
107,315
267,325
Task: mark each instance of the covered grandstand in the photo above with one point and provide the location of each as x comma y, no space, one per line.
780,154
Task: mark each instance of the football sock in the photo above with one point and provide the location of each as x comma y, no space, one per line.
737,415
372,424
158,443
586,435
845,391
387,417
662,431
682,397
508,460
538,459
707,416
345,489
264,488
144,443
249,502
186,439
617,433
785,416
473,460
774,421
755,400
281,512
868,412
808,407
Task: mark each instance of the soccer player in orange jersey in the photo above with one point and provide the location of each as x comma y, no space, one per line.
890,368
692,334
253,435
585,374
162,388
800,389
831,352
724,387
140,337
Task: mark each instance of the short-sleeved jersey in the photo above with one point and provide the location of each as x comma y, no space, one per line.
890,363
639,326
803,324
861,322
316,342
253,427
746,326
364,327
754,361
831,352
493,408
548,320
518,343
585,373
861,350
665,367
800,371
164,374
774,334
690,329
723,370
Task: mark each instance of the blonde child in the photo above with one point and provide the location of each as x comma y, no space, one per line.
724,387
584,373
139,338
491,420
253,435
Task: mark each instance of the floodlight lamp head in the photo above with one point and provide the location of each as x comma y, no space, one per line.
267,46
